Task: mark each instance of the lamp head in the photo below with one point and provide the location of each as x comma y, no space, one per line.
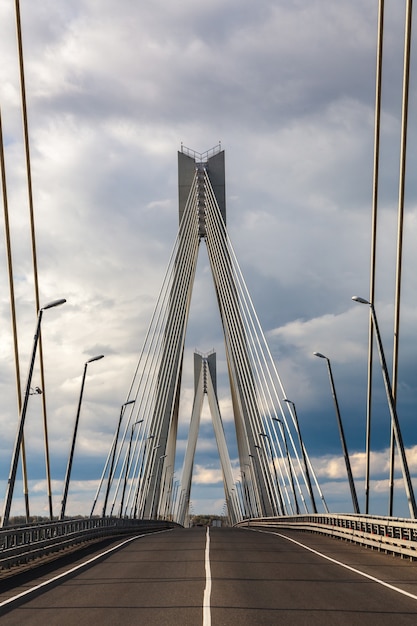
96,358
50,305
361,300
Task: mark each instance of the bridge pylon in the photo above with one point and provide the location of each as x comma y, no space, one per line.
205,385
269,473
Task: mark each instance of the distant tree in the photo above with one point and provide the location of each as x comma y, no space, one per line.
206,520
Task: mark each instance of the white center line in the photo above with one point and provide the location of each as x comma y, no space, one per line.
352,569
207,590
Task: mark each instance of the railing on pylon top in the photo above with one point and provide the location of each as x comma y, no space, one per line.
201,157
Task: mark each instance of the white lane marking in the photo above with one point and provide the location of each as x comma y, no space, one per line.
352,569
207,590
74,569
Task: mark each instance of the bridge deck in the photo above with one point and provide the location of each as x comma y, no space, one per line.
256,579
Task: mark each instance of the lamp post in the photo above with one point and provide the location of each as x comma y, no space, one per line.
284,436
342,435
166,490
180,515
281,502
71,455
258,497
239,495
303,452
140,477
149,469
254,503
114,446
174,499
266,478
154,490
15,457
127,465
394,417
151,475
245,490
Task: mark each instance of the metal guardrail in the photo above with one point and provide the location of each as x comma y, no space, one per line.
201,157
21,544
388,534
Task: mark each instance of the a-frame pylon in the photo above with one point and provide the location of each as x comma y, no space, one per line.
272,477
205,384
202,212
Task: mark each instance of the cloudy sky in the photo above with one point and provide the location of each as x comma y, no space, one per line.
287,86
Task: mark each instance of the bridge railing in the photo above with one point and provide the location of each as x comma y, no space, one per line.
201,157
21,544
387,534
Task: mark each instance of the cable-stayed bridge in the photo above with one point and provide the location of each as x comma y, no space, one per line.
275,475
261,571
148,569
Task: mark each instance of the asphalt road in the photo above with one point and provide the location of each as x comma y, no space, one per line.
243,578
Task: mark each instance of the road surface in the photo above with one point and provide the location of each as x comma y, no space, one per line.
236,577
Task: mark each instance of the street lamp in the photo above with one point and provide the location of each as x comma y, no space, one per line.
15,457
154,490
127,465
266,481
140,477
71,455
154,473
247,500
281,502
239,497
342,435
256,486
114,446
284,436
303,452
180,510
174,493
394,417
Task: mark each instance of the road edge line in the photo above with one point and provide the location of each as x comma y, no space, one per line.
51,581
349,567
